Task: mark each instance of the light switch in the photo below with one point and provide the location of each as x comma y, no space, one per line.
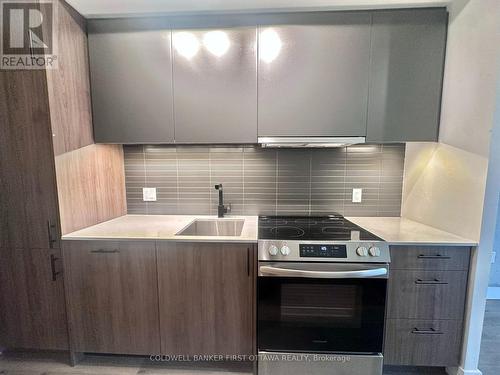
357,195
149,194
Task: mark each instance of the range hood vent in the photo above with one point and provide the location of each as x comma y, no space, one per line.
309,142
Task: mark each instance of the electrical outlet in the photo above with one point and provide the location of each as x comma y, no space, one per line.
493,257
357,195
149,194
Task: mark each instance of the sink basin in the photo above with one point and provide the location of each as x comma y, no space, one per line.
213,228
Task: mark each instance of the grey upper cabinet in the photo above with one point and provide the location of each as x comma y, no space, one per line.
131,81
407,59
215,85
313,76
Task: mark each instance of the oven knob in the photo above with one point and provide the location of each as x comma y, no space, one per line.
285,250
374,251
362,251
273,250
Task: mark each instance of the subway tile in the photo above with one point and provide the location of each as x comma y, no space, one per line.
265,181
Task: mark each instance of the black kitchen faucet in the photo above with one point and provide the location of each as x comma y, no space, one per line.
221,209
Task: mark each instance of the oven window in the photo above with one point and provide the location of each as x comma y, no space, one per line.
321,304
321,315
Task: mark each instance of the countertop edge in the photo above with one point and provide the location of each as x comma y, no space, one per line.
213,240
432,243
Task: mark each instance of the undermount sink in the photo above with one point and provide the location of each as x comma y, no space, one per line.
214,227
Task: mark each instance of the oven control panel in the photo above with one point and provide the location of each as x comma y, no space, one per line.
322,251
317,251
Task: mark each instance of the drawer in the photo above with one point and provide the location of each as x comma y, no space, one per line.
441,258
422,342
426,294
107,247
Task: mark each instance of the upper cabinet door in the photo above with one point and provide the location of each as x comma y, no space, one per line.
407,59
131,80
313,78
215,85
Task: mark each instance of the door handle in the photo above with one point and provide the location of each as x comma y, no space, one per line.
356,274
437,256
103,251
430,282
430,331
55,273
50,228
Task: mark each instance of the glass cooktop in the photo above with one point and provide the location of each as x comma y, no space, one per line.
312,228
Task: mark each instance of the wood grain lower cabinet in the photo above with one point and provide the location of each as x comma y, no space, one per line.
32,305
113,296
425,305
206,298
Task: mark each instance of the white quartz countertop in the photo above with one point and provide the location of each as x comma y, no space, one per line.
394,230
161,227
400,231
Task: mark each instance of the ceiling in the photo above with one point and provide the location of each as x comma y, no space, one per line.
120,8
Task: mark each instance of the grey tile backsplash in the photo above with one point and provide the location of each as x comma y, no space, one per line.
266,181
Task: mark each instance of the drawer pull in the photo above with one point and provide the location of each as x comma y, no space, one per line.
55,273
430,282
430,331
437,256
102,251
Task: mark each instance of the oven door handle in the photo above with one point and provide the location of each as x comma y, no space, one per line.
358,274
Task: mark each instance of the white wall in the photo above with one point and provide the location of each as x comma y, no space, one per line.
479,274
470,75
444,188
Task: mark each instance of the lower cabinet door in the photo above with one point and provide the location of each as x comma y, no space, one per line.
206,295
423,342
32,305
113,296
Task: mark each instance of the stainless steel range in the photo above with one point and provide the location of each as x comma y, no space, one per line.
321,297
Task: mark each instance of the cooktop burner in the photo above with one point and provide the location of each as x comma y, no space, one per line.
320,228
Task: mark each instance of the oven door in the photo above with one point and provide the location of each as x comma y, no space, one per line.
321,307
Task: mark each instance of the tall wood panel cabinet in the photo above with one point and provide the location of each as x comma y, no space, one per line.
32,309
44,116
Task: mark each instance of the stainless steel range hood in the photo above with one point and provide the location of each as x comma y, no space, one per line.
304,142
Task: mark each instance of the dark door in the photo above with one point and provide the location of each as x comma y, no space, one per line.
32,305
28,197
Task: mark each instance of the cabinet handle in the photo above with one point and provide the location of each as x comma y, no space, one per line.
430,282
430,331
102,251
53,260
437,256
50,228
248,261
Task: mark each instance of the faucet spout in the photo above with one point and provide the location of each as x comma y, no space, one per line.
221,209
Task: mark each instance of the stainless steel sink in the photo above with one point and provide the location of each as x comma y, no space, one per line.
214,227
